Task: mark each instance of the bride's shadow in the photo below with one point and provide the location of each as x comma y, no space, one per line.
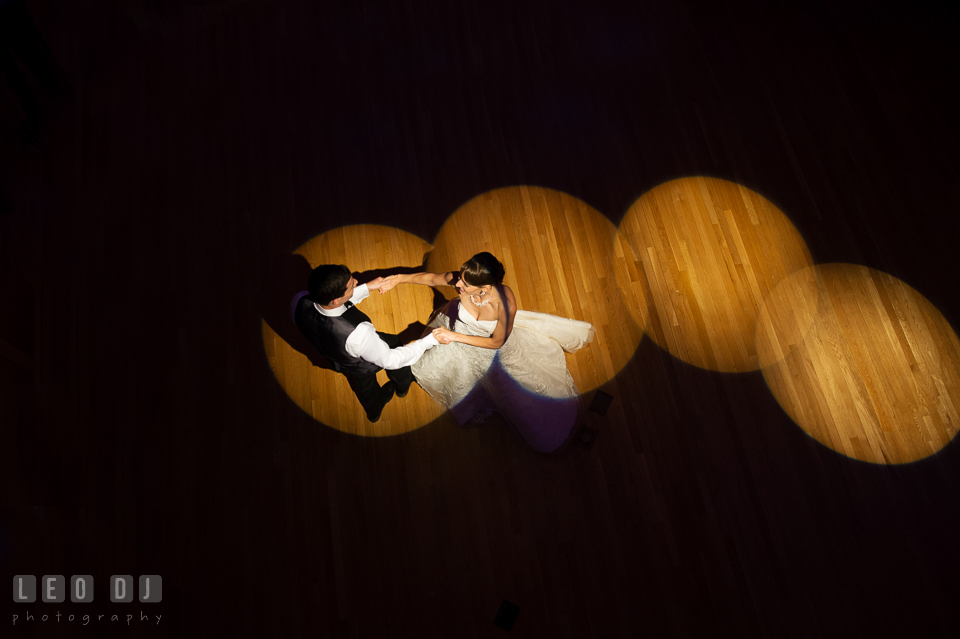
415,330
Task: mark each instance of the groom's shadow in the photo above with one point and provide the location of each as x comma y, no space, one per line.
288,276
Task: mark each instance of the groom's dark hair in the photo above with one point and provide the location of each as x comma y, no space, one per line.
327,282
482,269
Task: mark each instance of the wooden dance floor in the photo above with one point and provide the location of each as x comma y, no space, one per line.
753,203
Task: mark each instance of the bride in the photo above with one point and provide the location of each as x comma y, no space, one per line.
494,357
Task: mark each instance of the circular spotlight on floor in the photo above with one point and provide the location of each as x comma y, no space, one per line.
866,366
325,394
699,255
558,254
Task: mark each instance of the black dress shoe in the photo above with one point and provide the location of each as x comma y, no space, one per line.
403,393
386,394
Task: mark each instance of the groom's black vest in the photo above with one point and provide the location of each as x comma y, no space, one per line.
329,335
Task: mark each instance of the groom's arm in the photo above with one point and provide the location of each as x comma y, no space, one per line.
360,293
367,345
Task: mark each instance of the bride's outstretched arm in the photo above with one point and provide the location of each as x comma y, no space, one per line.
427,279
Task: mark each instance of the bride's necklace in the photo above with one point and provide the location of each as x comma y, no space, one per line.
479,304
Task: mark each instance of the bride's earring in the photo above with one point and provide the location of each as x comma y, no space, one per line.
483,292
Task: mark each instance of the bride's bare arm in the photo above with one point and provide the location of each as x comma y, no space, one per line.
427,279
508,310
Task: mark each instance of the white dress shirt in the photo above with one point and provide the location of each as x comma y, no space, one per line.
364,342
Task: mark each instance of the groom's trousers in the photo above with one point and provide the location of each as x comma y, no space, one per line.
367,388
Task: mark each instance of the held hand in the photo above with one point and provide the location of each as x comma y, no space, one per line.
388,283
381,284
444,336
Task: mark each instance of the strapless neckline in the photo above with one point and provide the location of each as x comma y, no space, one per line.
467,318
465,312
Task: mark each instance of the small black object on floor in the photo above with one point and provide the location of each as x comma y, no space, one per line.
586,437
507,615
601,402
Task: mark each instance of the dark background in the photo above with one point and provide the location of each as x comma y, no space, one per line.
142,429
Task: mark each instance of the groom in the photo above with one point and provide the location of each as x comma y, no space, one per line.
329,318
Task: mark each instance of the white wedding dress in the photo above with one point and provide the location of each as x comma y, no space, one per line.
526,380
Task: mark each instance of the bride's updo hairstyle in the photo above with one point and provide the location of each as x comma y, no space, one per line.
483,269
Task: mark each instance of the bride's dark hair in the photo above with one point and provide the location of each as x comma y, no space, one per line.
481,270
